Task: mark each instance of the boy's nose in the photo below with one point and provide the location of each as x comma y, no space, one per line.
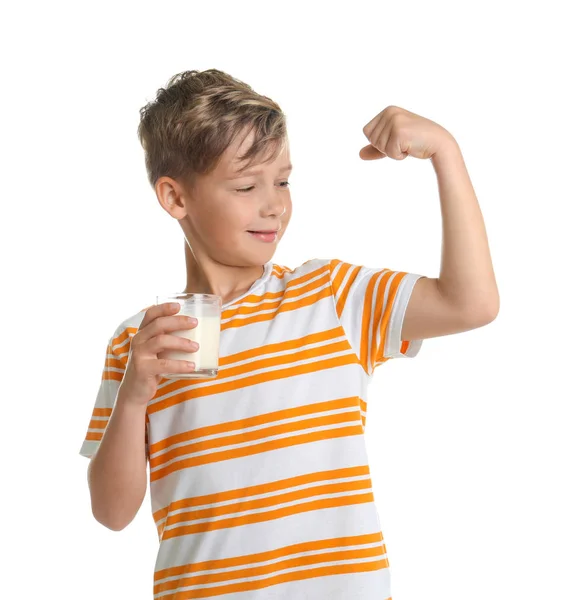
275,207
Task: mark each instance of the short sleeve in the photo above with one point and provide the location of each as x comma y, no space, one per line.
115,362
371,304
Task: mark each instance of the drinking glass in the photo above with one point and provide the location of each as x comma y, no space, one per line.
206,308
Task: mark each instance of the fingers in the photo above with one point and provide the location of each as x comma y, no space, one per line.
162,323
159,310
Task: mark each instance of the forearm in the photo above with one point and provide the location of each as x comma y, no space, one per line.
467,278
117,474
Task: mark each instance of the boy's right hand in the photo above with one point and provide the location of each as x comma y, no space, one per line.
144,366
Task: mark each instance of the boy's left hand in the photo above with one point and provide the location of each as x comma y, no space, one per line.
398,133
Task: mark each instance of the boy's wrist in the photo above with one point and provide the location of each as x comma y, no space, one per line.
127,402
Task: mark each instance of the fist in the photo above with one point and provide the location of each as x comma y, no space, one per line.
398,133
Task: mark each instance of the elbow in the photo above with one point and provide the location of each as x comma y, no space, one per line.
116,527
487,312
491,313
110,523
111,512
107,514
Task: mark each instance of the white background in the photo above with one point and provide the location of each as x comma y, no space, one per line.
464,440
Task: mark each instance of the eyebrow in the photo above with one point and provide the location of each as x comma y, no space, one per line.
258,172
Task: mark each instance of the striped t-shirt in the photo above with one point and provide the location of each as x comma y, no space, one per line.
259,478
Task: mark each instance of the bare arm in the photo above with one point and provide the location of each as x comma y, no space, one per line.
465,296
117,473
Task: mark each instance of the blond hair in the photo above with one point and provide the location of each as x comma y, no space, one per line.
192,121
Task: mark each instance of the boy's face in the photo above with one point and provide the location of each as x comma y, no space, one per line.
219,218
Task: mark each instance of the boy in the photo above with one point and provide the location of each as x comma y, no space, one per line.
259,478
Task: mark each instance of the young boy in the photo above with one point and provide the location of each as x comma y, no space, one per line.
259,478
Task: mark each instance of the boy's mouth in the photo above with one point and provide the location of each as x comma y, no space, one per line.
265,236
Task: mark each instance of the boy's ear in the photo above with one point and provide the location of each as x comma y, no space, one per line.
171,196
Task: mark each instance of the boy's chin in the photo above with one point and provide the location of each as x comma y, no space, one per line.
251,260
259,259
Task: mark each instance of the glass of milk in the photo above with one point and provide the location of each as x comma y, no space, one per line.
206,308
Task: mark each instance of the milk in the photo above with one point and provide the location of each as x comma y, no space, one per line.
206,333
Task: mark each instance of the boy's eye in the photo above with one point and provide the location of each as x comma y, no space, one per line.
252,187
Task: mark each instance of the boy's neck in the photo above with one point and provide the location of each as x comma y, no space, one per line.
208,277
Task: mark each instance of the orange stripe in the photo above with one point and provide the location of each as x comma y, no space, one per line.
266,446
265,488
280,270
259,303
114,363
272,501
366,315
254,571
95,423
375,319
255,365
297,281
270,555
378,353
278,298
96,436
247,423
122,337
112,376
102,412
372,317
346,290
287,292
251,354
291,371
286,577
292,344
279,513
339,277
263,446
279,308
